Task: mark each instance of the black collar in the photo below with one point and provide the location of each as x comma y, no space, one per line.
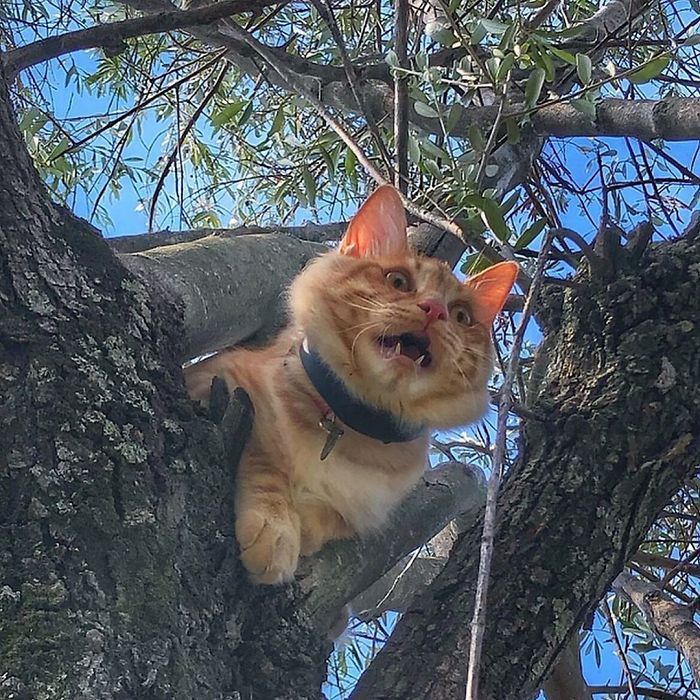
361,417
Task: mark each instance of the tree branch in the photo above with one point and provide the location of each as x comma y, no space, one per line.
315,233
344,569
671,620
113,35
210,280
654,693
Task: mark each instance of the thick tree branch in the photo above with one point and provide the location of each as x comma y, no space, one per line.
671,620
113,36
343,570
671,119
207,274
652,693
211,280
314,233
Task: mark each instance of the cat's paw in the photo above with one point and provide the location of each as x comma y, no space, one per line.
269,544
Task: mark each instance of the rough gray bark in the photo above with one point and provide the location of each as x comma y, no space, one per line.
118,570
228,288
671,620
621,406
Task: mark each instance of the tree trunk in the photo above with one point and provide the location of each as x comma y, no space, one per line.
620,408
119,575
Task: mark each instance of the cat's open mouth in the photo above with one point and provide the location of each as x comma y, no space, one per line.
414,346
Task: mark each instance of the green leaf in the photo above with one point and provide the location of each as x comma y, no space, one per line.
529,234
351,166
494,219
245,115
492,26
584,68
227,113
563,55
533,88
413,149
425,110
505,66
309,185
474,264
329,161
586,107
277,122
491,214
453,117
476,138
512,131
649,70
434,150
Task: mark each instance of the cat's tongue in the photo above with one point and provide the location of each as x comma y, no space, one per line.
414,346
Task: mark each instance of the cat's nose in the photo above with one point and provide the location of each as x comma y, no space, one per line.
435,309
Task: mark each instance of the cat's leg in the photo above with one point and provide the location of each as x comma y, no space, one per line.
320,524
267,526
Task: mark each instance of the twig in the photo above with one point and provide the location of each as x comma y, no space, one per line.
401,96
183,135
136,108
620,651
494,131
653,693
114,34
478,625
326,12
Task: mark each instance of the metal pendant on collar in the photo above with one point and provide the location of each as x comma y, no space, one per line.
335,432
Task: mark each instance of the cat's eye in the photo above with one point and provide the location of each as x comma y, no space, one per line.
460,314
399,280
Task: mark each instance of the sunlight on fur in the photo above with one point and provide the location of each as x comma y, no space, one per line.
390,339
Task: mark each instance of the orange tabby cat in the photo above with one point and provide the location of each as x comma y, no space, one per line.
383,346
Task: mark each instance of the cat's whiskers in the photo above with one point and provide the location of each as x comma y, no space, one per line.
377,308
354,342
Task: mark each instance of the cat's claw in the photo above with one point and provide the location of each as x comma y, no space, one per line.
270,546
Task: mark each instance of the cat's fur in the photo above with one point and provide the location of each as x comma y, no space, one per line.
288,502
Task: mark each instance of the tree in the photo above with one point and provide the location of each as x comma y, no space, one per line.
118,567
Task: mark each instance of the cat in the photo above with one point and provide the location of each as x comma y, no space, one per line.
383,346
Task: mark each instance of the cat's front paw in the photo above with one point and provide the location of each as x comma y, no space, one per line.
269,544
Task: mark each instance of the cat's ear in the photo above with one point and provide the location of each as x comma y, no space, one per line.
378,228
491,288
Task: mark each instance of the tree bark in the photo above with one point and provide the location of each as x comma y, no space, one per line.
621,406
119,576
669,619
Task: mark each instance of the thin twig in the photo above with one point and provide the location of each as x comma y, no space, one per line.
137,108
478,625
183,135
620,651
401,96
494,132
326,12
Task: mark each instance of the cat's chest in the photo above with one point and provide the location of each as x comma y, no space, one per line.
362,480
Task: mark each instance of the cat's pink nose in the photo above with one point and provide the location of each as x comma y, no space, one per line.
435,309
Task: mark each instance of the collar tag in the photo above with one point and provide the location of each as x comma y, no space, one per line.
335,432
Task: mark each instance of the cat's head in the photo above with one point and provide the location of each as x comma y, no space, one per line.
398,328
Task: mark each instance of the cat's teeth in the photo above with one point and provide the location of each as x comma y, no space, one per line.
397,349
419,360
